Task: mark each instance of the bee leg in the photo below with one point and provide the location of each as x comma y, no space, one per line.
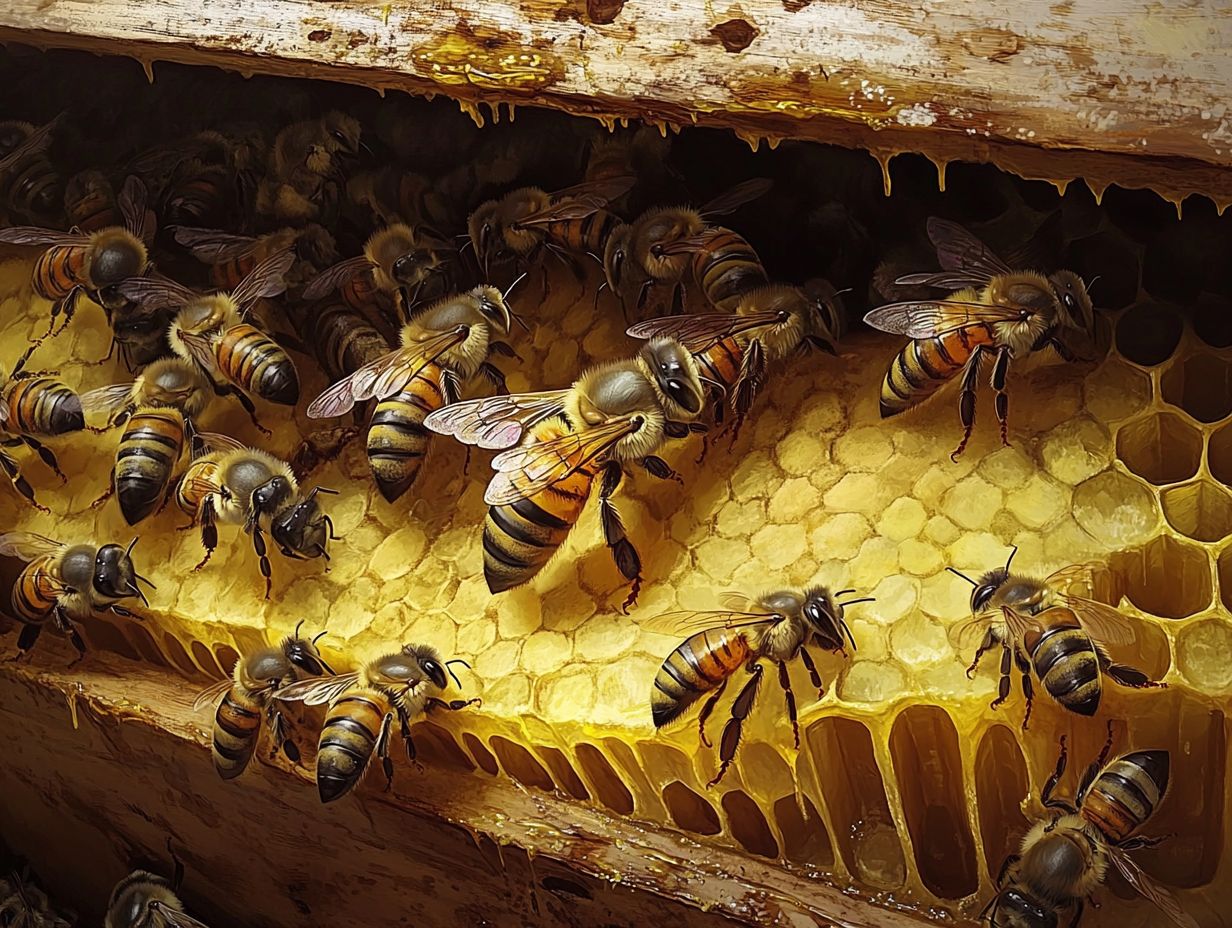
642,295
19,482
1134,844
657,467
504,349
1128,676
249,408
1003,688
1001,401
495,377
814,676
65,624
677,299
1050,784
30,632
1028,689
1005,868
209,530
258,544
69,307
1063,350
785,683
278,725
989,642
381,748
730,739
748,382
1093,769
405,724
453,705
107,494
45,455
623,552
1078,907
708,708
966,399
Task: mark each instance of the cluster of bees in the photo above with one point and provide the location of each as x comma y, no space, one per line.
257,214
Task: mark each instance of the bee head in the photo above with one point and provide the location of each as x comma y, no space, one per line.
482,226
343,131
615,254
430,663
303,653
1077,310
116,257
823,613
271,495
675,372
115,577
983,590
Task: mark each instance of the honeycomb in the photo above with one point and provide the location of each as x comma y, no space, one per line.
906,783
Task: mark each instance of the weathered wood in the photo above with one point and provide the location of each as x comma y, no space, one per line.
1129,94
445,849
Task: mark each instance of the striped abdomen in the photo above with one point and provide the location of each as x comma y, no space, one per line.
200,199
586,235
721,361
1126,793
701,663
344,341
227,274
926,363
149,450
1067,663
95,211
397,439
42,406
727,268
58,270
199,480
348,739
33,186
520,538
36,590
237,725
248,357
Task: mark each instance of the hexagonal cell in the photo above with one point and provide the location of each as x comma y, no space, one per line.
805,838
562,771
689,810
1165,577
1200,384
1199,510
1115,508
605,782
1212,320
1224,569
479,751
226,656
439,748
1139,214
1202,650
1160,448
204,658
1219,454
1116,390
748,825
928,771
101,635
520,764
1147,333
1001,785
1109,256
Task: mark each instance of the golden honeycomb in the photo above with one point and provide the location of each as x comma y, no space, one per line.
906,783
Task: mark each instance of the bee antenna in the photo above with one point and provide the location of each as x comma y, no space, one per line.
602,284
863,599
1010,559
959,573
843,592
298,626
1092,283
315,638
449,670
144,580
136,591
131,544
509,289
850,637
714,383
518,319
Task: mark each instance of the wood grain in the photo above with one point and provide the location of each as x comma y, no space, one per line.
1133,94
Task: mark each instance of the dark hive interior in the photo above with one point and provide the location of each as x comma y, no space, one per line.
906,786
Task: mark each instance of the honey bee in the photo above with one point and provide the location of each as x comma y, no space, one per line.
236,485
231,257
146,900
63,584
523,222
397,265
32,403
90,202
1066,856
29,182
245,698
25,905
342,339
362,708
207,178
211,330
306,168
735,350
1050,633
993,313
659,246
776,626
443,347
612,415
155,409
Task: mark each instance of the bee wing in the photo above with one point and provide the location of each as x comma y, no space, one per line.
132,203
27,545
943,280
689,622
1150,888
216,441
928,318
107,399
579,201
688,245
211,694
335,400
959,250
1102,622
496,422
969,633
38,140
213,246
168,917
737,196
701,331
201,349
317,691
390,374
543,463
264,280
1019,624
334,277
156,292
34,235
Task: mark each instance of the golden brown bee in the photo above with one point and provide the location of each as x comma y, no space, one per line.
523,222
30,185
306,170
776,626
155,409
1048,632
993,313
612,415
1066,856
443,347
245,699
399,266
32,403
147,900
232,257
658,247
212,331
90,202
236,485
63,584
362,708
92,264
735,350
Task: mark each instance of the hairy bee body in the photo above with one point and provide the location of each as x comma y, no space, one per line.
726,268
41,406
343,340
30,185
583,236
248,357
1066,662
37,590
1126,793
397,439
699,664
141,899
150,447
352,725
90,203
